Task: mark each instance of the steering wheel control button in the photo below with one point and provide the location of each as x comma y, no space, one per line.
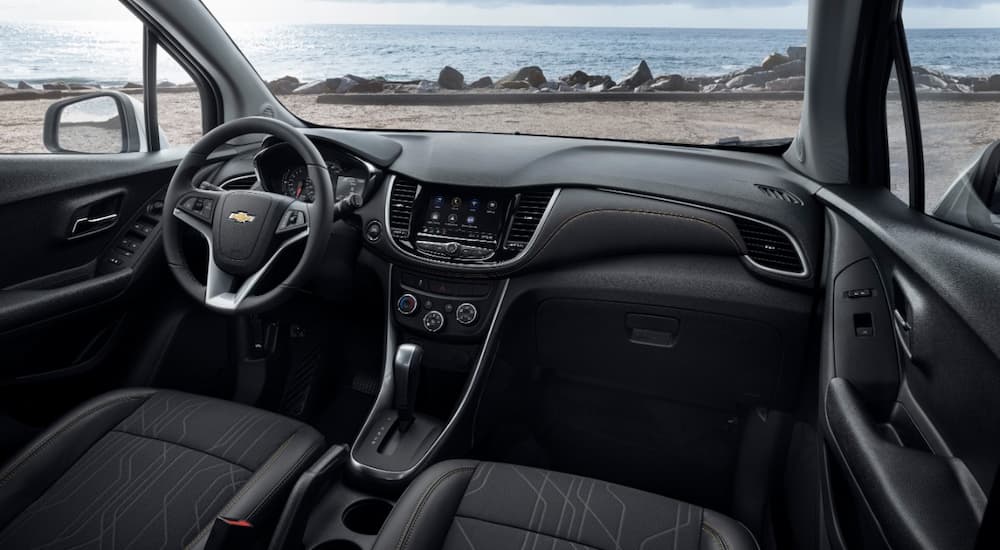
407,304
199,206
373,231
434,321
452,248
466,314
294,219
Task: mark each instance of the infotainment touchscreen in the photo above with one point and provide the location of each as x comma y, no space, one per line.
462,216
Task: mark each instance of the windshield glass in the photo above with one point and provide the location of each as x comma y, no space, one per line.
636,70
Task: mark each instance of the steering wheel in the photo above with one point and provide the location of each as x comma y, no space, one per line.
246,230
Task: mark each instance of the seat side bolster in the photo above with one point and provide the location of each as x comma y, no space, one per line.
422,517
30,473
719,532
270,484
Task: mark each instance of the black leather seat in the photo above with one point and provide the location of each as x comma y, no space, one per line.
487,506
150,469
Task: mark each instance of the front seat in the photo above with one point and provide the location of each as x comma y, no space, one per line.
464,504
150,469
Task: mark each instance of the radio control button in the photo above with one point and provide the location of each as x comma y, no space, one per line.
434,321
407,304
466,314
452,248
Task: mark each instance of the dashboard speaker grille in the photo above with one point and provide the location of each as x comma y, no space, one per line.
528,211
780,194
769,247
401,201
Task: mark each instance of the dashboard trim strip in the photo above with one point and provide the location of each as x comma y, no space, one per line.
483,267
384,399
804,274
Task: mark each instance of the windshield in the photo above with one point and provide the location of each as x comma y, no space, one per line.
636,70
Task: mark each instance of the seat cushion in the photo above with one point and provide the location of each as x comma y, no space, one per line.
151,469
489,506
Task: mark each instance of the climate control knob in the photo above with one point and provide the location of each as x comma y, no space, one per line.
407,304
466,314
434,321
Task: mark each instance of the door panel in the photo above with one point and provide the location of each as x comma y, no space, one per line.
912,426
66,278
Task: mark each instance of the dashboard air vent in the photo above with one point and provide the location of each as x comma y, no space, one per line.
401,208
770,248
780,194
528,212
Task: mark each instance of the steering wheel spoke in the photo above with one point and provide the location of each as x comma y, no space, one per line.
197,209
226,292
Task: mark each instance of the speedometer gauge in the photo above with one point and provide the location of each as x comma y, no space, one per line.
296,184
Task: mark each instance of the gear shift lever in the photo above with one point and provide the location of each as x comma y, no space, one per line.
406,380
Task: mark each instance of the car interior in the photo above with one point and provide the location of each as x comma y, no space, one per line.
472,340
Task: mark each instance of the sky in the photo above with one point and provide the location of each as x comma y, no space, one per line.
605,13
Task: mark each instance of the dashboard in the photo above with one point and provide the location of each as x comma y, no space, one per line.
440,203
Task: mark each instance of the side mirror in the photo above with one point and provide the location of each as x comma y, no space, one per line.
101,122
974,199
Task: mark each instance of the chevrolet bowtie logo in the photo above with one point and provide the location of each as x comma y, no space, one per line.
242,217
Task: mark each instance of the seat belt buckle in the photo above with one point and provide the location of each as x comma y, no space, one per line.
231,534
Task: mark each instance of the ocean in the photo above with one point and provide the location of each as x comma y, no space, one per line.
109,53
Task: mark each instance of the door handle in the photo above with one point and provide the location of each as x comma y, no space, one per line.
89,226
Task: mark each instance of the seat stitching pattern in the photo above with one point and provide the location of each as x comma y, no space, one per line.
719,541
21,460
202,451
525,529
404,540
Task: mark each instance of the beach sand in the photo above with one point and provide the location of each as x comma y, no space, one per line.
954,131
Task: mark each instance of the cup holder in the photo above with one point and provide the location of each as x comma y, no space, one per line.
337,545
365,517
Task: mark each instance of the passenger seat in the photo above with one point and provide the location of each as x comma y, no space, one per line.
463,504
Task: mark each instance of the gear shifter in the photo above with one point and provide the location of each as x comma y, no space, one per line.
406,380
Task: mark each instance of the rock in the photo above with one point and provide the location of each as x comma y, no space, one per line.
369,87
4,85
564,87
790,84
602,87
674,83
774,60
165,84
756,79
796,67
284,85
484,82
55,86
600,80
579,77
533,75
712,88
515,85
796,53
314,87
991,84
83,87
749,70
343,84
427,87
639,75
451,79
22,85
930,80
132,86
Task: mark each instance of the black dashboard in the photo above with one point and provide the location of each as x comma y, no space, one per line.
485,205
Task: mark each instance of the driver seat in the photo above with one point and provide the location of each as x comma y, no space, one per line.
151,469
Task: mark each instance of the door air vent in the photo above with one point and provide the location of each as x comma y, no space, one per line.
529,208
770,248
401,208
780,194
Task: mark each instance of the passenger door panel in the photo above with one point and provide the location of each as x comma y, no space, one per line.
912,425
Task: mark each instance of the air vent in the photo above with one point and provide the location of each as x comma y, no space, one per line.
239,183
401,208
780,194
770,248
528,211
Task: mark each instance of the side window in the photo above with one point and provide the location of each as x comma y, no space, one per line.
899,167
955,89
77,87
178,102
